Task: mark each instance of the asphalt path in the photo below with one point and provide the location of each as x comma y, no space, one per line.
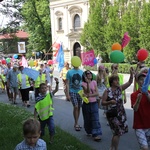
63,117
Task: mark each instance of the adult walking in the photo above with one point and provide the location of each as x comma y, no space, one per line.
90,110
12,82
24,86
63,76
6,70
74,85
116,115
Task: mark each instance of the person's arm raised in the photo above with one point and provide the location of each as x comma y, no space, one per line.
129,82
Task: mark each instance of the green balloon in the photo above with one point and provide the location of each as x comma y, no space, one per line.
94,76
8,60
116,56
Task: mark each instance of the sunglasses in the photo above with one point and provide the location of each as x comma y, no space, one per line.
88,73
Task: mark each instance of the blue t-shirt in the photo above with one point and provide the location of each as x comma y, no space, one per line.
75,80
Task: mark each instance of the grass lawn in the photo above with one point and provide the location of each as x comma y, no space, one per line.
11,118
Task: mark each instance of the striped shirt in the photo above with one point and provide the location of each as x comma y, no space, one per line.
40,145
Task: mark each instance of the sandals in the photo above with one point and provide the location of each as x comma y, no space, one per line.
77,128
97,138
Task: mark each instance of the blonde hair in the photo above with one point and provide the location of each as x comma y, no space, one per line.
101,75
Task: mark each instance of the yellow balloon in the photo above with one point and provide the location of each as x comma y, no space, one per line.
31,63
35,63
33,53
76,61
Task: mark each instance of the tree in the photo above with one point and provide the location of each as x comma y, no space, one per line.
36,15
113,29
92,36
130,24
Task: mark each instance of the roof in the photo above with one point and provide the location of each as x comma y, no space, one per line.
20,34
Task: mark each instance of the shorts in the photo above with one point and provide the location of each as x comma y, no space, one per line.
14,90
76,99
143,137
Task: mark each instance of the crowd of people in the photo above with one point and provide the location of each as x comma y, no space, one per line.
106,91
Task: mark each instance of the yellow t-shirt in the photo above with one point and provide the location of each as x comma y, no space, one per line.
64,72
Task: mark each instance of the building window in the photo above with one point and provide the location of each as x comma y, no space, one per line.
77,22
60,24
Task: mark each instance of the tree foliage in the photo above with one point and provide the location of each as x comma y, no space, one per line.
33,16
109,21
36,15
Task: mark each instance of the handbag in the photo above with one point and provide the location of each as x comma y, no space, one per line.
111,113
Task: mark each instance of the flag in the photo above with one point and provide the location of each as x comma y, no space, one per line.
60,58
24,62
146,82
125,40
57,46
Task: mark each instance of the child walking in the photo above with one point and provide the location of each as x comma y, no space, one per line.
31,132
44,109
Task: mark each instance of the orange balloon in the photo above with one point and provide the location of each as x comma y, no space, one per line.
116,46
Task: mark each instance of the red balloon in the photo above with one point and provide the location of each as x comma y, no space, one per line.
4,62
142,54
50,62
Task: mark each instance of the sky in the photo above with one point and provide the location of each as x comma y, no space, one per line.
3,18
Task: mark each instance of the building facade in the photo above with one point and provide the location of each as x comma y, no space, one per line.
67,22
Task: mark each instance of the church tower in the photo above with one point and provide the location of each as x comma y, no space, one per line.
67,22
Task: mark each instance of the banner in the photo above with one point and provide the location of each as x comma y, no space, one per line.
21,47
125,40
88,58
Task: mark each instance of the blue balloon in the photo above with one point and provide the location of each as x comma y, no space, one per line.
15,56
95,61
37,53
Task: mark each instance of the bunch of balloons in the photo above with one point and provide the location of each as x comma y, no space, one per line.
116,56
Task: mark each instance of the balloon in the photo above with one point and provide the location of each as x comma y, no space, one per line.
37,53
8,60
15,56
116,46
75,61
50,62
142,54
95,61
3,62
33,53
94,76
20,63
31,63
35,63
116,56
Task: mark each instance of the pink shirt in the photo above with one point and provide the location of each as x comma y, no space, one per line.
93,86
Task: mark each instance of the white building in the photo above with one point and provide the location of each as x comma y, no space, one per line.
67,21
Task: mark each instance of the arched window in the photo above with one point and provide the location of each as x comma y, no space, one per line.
76,21
60,24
